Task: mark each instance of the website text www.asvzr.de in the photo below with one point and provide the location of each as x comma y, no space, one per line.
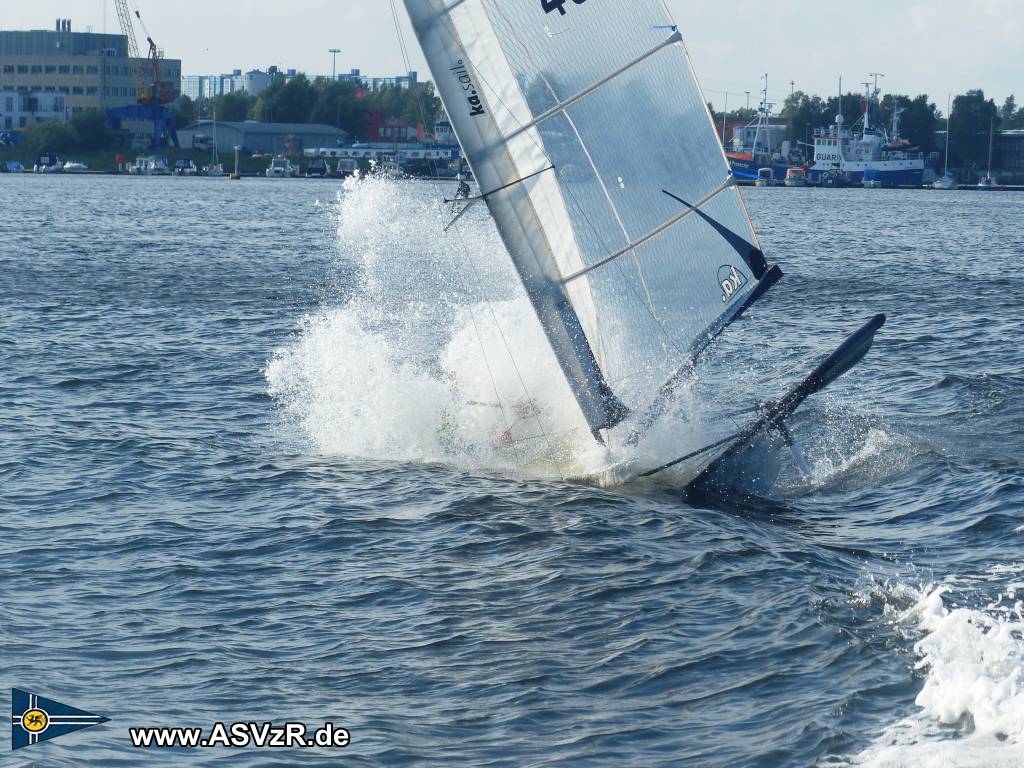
243,736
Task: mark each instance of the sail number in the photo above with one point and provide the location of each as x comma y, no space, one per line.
550,6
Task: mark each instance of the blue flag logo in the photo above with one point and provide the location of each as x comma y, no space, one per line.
35,719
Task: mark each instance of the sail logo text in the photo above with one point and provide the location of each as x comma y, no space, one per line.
476,104
731,280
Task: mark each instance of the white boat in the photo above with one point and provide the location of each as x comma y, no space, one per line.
74,166
48,164
149,166
634,263
868,146
989,183
797,177
280,168
947,181
214,168
185,167
347,168
765,178
318,169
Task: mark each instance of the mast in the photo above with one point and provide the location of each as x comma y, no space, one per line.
216,151
762,118
991,140
949,120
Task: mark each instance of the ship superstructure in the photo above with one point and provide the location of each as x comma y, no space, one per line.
867,147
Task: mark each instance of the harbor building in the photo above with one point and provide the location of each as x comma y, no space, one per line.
1010,148
86,70
290,139
20,109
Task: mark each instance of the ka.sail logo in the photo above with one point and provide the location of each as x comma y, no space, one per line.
35,719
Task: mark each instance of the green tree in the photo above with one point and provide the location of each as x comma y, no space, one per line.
422,105
287,102
1009,110
339,104
973,116
919,121
803,112
185,114
50,136
232,107
93,130
852,109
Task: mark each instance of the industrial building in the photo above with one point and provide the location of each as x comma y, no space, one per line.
1010,148
20,109
291,139
90,71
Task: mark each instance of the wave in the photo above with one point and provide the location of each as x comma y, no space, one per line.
971,705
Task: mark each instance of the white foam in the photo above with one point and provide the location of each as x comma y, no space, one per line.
827,470
432,353
972,703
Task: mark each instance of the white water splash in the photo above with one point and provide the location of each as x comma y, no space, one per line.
434,354
427,350
972,703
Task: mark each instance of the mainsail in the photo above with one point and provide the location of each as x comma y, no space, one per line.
591,141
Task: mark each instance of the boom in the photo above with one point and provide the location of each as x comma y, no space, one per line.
146,93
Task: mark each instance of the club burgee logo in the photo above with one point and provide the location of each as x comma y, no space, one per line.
35,719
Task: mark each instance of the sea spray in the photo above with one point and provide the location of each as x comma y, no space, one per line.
427,349
972,701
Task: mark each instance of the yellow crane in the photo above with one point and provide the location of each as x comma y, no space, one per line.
155,92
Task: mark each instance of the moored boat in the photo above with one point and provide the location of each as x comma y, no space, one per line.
797,177
868,146
765,177
280,168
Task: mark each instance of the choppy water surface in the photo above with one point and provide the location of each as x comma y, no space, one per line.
243,478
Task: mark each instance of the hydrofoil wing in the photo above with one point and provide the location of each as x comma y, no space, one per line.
772,415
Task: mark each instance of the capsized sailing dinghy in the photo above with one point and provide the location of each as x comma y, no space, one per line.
590,138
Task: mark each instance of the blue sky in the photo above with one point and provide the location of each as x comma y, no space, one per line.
923,46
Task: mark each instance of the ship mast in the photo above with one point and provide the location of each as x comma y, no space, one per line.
949,119
762,118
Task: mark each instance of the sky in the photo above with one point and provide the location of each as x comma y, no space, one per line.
923,46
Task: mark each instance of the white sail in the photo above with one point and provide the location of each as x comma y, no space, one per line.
586,129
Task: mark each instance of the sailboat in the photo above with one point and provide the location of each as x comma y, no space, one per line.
634,261
989,183
214,168
948,180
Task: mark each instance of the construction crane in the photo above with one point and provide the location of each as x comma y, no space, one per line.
152,98
156,92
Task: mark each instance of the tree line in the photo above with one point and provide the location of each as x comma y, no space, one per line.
345,104
86,131
973,115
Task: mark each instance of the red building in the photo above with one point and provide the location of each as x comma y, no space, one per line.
391,130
